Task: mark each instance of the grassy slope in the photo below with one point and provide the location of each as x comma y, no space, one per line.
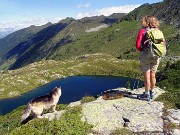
70,123
16,82
117,40
114,40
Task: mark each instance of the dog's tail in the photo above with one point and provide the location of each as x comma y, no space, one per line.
26,113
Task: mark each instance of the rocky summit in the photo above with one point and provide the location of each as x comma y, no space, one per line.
138,116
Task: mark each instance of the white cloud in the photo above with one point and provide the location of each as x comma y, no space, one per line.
84,5
28,21
108,11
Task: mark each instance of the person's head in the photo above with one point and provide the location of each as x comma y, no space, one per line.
150,21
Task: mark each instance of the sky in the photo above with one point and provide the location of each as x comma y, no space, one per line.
23,13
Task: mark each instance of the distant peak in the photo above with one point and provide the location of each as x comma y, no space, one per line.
68,19
49,23
32,26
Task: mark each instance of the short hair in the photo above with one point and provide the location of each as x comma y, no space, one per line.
150,21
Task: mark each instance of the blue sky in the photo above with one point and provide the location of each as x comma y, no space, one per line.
23,13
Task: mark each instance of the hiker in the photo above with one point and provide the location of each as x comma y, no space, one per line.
148,62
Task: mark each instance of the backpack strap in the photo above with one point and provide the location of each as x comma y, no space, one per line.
147,41
145,35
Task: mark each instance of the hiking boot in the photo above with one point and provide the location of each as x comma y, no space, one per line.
151,94
144,96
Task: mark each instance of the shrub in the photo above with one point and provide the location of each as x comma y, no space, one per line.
170,77
122,131
87,99
128,85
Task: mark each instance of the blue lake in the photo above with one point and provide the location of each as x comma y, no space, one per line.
73,89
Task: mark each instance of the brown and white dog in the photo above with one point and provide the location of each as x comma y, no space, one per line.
38,104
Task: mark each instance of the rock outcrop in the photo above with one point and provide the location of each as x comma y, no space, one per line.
130,112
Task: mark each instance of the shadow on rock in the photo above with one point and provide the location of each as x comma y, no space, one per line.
115,94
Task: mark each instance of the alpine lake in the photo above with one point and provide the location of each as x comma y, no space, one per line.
73,89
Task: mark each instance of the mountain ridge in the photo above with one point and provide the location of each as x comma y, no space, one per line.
35,42
167,11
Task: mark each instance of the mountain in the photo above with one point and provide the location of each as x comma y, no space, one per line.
36,45
115,35
48,40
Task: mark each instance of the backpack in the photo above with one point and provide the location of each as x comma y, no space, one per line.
156,42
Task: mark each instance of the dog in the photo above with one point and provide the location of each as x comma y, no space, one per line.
37,105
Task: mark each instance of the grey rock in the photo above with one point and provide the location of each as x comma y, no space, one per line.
53,115
174,116
175,132
73,104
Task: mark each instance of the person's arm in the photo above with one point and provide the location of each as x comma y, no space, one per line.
139,40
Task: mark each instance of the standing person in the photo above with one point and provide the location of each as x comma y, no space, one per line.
148,62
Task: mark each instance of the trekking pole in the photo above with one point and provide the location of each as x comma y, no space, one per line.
138,77
134,85
138,84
